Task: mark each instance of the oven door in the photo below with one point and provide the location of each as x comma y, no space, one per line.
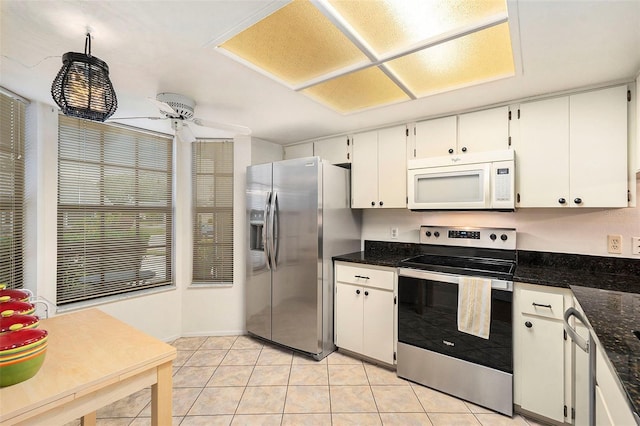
428,319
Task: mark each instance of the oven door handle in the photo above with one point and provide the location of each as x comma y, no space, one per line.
426,275
449,278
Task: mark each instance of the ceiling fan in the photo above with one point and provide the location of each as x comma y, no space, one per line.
179,109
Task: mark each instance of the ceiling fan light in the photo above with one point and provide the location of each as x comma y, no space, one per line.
82,87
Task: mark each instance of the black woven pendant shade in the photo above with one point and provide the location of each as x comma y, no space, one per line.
82,87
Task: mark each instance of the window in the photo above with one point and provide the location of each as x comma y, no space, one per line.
114,210
213,212
12,127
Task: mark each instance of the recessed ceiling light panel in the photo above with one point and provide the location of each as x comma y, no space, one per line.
357,54
357,91
393,25
295,44
476,58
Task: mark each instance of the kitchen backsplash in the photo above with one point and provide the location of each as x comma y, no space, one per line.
579,231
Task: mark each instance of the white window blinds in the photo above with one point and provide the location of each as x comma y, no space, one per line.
12,116
213,211
114,210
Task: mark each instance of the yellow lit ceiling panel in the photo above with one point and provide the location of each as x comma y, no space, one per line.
360,90
476,58
393,25
296,43
314,47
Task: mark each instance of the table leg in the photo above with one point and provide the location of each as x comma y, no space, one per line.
88,419
161,396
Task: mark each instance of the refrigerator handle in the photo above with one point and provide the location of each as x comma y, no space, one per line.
275,221
265,230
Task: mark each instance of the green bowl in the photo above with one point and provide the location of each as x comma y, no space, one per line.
21,371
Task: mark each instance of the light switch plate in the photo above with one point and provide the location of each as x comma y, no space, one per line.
635,245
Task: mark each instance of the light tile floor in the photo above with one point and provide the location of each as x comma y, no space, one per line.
238,380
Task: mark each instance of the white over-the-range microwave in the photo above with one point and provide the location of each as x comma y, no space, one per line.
475,181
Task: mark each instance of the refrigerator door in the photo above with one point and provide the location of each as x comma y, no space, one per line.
258,291
297,261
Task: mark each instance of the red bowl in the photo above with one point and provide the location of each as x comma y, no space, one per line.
7,294
20,339
20,308
10,321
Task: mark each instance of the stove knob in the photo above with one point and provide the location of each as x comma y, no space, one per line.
436,234
493,237
428,233
503,237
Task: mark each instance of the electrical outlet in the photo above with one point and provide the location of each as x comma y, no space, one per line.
635,245
394,233
614,244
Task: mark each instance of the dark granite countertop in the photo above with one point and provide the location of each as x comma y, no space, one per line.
607,289
614,316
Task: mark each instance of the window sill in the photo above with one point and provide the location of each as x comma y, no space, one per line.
209,285
115,298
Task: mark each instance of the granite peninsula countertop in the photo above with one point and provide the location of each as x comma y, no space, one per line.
607,289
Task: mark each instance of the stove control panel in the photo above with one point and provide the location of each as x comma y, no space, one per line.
501,238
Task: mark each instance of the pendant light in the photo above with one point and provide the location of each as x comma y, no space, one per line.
82,87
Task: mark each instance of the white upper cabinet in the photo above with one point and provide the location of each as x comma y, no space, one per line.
435,138
572,151
542,154
486,130
298,151
598,148
335,150
379,169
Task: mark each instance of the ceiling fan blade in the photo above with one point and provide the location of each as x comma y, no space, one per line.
235,128
164,108
138,118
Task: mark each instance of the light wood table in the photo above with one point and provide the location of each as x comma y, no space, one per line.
92,360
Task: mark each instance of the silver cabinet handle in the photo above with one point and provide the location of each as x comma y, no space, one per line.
541,305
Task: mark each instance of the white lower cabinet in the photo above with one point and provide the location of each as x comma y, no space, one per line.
365,310
541,363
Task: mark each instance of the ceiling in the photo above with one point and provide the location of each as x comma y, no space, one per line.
169,46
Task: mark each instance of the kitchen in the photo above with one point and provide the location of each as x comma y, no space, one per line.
575,231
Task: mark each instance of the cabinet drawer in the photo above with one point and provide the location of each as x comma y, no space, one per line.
543,304
369,277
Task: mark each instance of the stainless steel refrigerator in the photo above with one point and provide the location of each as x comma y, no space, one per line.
298,217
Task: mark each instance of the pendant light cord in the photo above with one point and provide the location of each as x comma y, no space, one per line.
87,42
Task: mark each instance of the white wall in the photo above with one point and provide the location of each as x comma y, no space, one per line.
581,231
219,310
265,152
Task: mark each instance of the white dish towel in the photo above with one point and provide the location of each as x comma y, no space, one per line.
474,306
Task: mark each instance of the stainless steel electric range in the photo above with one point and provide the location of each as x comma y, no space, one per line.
431,349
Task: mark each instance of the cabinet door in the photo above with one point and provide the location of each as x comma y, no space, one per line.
349,318
542,154
298,151
392,167
335,150
486,130
542,366
378,325
434,138
598,146
364,171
